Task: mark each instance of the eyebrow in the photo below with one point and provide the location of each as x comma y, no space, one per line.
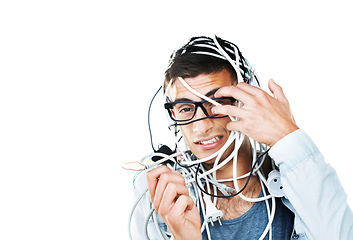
209,94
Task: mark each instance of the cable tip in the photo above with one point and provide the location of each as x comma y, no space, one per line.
219,220
211,221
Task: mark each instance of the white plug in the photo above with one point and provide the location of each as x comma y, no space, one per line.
212,213
274,183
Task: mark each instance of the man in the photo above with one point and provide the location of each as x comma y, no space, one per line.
313,205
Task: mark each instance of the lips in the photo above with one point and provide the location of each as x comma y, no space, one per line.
215,139
210,143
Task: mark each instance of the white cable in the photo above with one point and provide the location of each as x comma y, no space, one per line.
234,137
212,47
204,216
164,156
214,103
146,223
133,210
237,146
230,138
154,215
258,199
210,54
167,89
220,151
224,162
269,224
187,86
267,208
238,190
230,60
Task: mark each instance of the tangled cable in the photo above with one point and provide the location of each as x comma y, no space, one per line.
201,182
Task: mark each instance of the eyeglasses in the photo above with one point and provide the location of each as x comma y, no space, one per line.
183,111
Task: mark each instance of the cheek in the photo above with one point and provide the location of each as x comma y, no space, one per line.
223,122
186,131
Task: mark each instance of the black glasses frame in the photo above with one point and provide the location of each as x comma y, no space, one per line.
169,106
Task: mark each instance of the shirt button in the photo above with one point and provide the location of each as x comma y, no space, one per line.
295,236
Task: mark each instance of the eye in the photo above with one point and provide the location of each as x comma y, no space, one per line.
186,110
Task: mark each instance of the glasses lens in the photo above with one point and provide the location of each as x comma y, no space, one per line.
184,111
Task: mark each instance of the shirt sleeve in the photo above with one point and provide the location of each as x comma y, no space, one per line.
313,189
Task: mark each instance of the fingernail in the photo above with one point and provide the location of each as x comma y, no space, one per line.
213,110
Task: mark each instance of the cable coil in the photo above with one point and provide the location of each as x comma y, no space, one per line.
198,180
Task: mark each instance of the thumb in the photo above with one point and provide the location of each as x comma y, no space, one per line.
277,91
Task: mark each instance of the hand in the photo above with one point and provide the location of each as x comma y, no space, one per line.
170,198
264,118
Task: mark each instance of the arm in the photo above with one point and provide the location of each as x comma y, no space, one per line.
311,185
170,198
313,189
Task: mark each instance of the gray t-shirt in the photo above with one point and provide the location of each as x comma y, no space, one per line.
251,225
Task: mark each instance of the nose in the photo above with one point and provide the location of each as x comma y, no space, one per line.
204,125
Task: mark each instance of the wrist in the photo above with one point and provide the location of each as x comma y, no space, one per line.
283,133
292,150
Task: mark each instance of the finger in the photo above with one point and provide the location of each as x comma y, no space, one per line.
153,177
170,195
229,110
235,126
277,91
164,180
235,92
249,89
182,204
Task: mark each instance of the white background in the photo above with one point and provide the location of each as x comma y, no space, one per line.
77,78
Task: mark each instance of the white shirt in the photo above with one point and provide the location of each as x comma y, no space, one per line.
312,190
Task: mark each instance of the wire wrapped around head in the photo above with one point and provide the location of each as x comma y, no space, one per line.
200,51
222,49
219,52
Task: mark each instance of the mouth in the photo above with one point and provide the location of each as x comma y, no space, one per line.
206,142
210,144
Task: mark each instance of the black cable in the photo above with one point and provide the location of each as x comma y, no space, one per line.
246,184
148,118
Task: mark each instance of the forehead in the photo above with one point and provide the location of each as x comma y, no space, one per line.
203,83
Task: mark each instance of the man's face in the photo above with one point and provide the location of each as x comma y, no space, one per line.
206,136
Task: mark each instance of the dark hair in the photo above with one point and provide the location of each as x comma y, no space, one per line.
184,63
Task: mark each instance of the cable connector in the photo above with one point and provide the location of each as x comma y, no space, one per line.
228,190
274,183
212,213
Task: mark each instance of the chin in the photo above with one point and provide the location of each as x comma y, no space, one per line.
204,154
201,155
